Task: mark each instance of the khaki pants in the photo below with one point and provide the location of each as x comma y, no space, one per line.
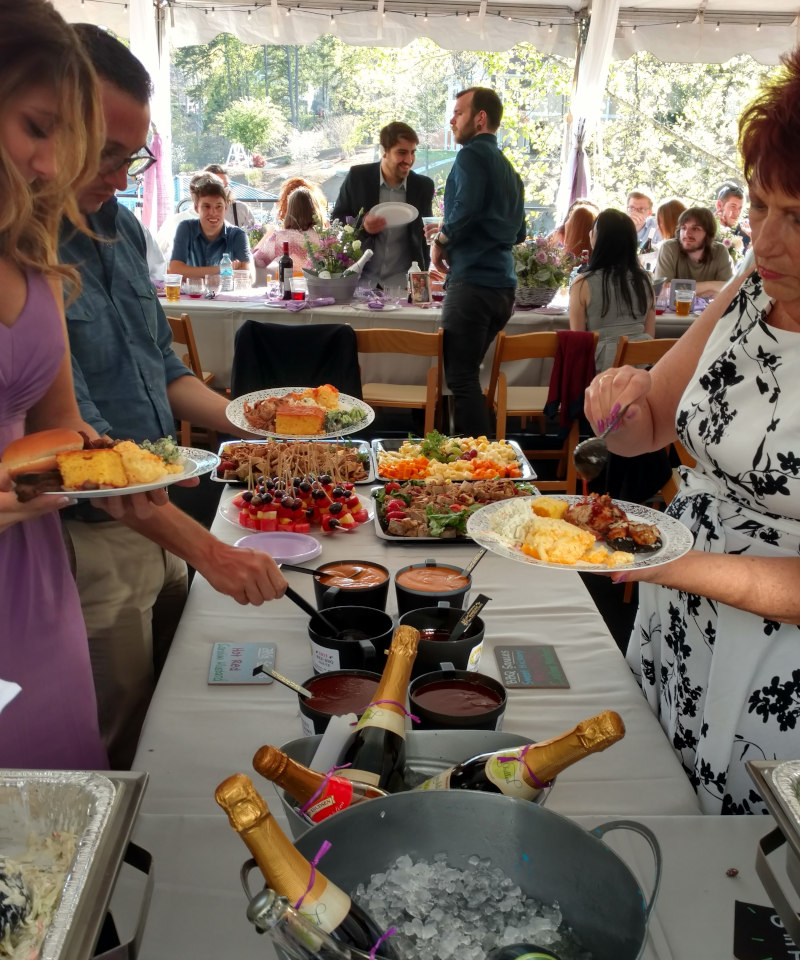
132,594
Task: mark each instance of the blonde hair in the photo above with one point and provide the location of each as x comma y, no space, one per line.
39,49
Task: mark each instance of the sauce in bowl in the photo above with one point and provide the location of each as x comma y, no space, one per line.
432,579
457,698
340,693
347,575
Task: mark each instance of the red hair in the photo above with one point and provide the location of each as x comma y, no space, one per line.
769,130
577,229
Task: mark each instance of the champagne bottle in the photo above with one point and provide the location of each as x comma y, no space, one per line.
290,930
530,767
285,272
288,872
377,754
330,794
521,951
647,245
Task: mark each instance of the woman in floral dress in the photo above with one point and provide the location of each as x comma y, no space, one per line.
716,645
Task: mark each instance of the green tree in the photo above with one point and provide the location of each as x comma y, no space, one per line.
253,123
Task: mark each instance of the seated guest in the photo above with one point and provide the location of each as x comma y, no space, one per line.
238,213
614,296
640,209
201,243
694,254
667,217
559,232
389,180
730,200
298,227
577,228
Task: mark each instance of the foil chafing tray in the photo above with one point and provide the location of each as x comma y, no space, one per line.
100,809
360,446
778,782
394,443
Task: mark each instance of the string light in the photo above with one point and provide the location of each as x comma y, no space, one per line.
333,22
678,25
717,27
249,14
758,28
467,16
550,30
634,29
426,16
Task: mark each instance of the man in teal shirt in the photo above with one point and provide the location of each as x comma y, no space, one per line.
483,218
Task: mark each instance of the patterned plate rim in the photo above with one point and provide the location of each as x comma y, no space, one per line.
196,463
677,538
235,413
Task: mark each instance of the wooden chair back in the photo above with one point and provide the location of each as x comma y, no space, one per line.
183,334
639,353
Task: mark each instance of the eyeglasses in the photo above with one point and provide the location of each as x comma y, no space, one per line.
136,165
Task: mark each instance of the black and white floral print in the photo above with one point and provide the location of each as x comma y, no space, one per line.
725,683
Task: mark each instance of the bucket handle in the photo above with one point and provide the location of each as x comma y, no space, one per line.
650,837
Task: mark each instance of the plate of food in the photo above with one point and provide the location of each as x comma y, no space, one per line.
297,413
55,462
438,457
432,510
576,533
242,461
270,510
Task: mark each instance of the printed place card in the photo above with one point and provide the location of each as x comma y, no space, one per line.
530,665
241,662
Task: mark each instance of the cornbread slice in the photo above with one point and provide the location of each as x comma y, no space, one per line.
142,466
549,507
299,419
91,470
556,541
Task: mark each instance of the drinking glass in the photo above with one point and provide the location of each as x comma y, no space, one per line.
172,286
213,283
195,286
683,302
430,222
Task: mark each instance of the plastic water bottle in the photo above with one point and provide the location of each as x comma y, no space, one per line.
226,273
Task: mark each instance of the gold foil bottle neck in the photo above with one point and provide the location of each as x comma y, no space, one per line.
239,799
405,642
601,731
270,762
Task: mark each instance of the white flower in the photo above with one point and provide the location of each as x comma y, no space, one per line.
357,246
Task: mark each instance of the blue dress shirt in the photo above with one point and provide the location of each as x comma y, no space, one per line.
192,248
120,340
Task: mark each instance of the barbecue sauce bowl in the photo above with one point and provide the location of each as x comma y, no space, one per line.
338,587
426,584
365,635
457,700
336,693
435,651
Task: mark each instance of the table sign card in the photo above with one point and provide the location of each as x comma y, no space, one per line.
241,662
530,665
758,934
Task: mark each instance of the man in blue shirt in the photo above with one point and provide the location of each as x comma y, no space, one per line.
130,384
483,218
200,244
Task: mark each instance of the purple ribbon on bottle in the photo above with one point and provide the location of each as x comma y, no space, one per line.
521,759
326,845
385,936
395,703
325,780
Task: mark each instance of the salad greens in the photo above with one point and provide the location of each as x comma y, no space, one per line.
166,448
336,419
437,446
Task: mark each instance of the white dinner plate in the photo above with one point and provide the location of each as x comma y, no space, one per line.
395,214
235,413
283,547
230,512
365,308
195,463
676,538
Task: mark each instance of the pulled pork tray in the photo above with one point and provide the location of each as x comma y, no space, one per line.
437,510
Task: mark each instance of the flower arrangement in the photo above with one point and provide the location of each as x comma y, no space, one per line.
336,248
255,232
732,242
543,263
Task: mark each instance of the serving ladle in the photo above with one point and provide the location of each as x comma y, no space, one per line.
591,456
318,571
306,607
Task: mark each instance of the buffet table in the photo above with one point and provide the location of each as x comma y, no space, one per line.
215,323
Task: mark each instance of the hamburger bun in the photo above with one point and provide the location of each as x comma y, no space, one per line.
36,452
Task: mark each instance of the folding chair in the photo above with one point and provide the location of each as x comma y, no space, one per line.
405,395
183,334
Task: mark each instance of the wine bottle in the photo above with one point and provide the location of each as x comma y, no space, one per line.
285,272
288,872
377,754
523,771
289,930
330,794
521,951
647,245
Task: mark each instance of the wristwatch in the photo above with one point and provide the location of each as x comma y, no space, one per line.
440,239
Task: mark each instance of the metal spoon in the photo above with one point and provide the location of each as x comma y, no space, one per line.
591,456
306,607
298,688
317,572
474,562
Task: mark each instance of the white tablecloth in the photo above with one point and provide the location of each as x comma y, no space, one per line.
197,734
215,323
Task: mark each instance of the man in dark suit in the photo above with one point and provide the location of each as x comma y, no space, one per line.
391,179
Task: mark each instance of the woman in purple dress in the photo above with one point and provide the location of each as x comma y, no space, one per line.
50,139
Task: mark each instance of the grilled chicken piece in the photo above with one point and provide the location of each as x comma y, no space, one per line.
596,515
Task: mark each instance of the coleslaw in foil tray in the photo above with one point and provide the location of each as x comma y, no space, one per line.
51,822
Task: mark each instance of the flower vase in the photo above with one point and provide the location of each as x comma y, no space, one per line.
534,296
342,289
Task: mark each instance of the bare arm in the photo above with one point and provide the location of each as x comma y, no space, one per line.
654,395
189,399
178,266
248,576
765,586
708,288
579,295
650,321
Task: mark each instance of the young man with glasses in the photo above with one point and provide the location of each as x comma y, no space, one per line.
639,208
131,577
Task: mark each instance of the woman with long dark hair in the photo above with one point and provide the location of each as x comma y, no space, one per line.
614,296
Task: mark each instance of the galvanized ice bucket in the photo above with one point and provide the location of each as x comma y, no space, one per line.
550,857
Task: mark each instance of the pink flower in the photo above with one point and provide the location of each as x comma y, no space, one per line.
541,257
